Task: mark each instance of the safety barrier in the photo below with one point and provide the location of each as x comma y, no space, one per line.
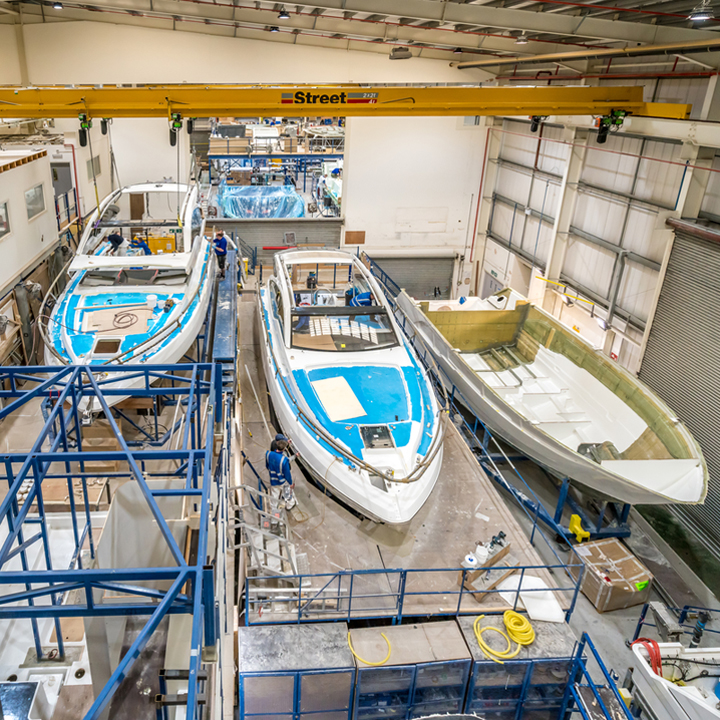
382,593
702,615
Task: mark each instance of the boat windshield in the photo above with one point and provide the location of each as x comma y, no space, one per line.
134,276
348,332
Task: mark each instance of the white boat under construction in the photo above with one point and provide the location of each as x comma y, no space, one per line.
546,391
143,301
346,386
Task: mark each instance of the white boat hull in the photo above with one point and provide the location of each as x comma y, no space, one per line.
502,421
327,449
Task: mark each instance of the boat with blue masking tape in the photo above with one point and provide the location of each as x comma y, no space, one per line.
346,386
139,285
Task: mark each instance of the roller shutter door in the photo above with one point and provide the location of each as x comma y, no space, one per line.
271,233
419,276
682,364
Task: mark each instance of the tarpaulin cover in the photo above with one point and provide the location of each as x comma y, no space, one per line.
258,201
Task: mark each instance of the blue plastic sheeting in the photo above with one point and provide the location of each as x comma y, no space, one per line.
258,201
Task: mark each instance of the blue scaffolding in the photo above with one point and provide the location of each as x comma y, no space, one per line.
293,164
58,452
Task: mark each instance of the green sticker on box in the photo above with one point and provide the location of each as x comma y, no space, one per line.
642,585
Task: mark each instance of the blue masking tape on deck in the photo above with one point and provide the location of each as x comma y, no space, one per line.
380,390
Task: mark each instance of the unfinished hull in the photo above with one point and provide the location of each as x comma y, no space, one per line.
547,392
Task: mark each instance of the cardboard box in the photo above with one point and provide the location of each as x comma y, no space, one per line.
614,578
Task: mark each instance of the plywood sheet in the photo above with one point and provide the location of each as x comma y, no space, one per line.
338,399
119,321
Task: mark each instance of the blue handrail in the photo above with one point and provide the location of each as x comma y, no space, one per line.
682,613
580,677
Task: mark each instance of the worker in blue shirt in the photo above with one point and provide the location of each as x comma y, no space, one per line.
359,299
278,467
220,243
137,243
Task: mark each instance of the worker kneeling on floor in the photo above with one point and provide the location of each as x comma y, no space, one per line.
278,467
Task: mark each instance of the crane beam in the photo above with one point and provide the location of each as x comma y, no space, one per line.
325,100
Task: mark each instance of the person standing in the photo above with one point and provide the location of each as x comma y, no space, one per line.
278,467
220,244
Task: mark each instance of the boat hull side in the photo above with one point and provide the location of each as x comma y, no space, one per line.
505,423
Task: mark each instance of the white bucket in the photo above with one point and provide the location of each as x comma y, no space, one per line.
470,562
482,554
151,301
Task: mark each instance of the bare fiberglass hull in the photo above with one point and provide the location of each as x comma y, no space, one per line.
669,480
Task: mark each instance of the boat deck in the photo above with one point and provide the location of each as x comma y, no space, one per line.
464,508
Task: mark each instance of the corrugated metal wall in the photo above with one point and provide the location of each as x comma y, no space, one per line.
527,188
419,276
624,185
682,363
271,233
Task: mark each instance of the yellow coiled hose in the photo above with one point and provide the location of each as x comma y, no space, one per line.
368,662
518,630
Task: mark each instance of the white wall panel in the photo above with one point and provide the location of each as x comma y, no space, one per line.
711,200
599,216
519,145
683,90
503,219
640,236
544,196
536,239
610,168
637,289
590,265
78,52
512,184
9,65
390,201
553,155
659,182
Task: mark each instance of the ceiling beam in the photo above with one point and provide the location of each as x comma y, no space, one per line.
668,49
484,15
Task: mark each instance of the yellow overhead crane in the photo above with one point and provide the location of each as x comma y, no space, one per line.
110,101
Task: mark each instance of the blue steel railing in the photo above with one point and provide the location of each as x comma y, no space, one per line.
354,594
246,251
195,388
683,613
581,676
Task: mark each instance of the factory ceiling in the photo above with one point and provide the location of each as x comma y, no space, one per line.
460,32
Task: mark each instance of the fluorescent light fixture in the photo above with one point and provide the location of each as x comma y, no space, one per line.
457,51
284,15
274,28
57,6
701,12
521,39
